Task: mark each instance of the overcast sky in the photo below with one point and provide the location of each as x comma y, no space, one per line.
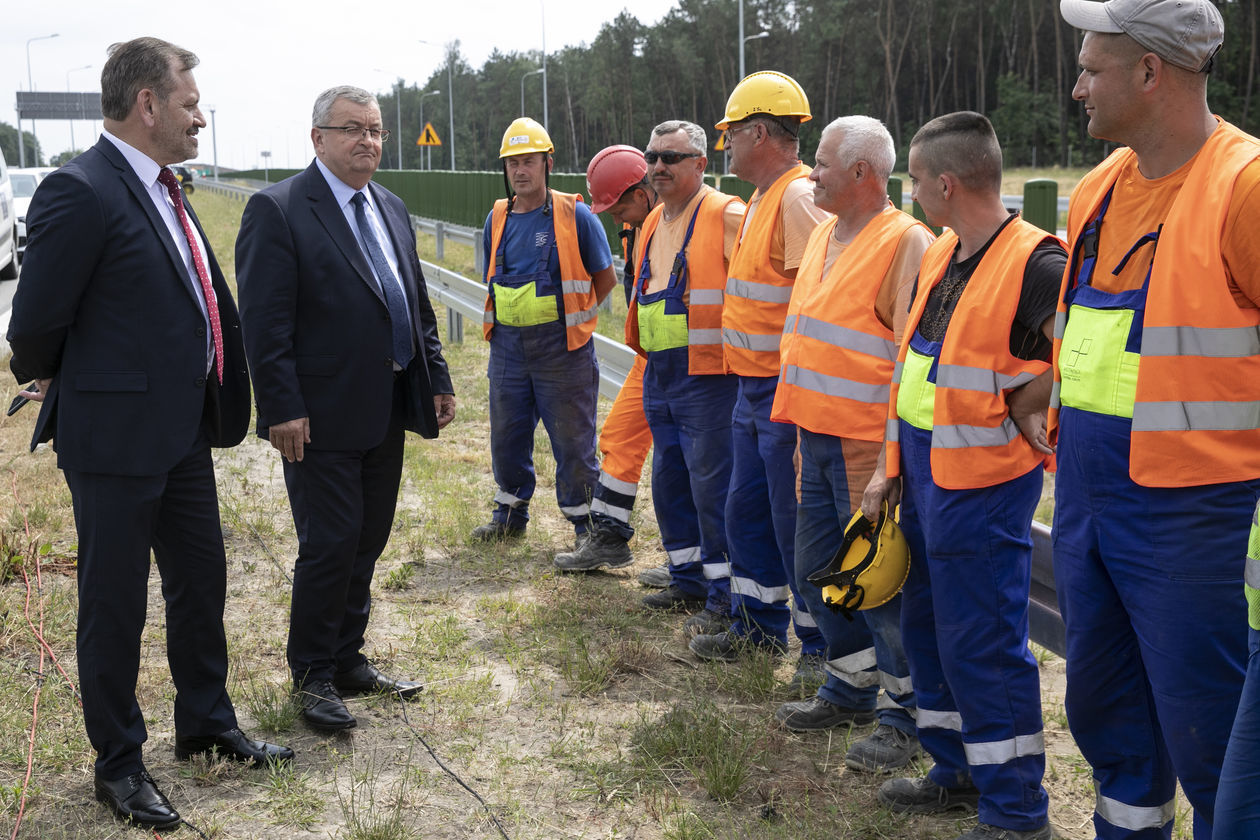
263,81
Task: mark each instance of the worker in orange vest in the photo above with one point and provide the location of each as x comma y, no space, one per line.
763,118
969,480
1156,417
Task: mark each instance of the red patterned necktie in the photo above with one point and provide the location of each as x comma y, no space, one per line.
168,180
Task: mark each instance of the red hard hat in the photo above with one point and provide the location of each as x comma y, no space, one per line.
613,171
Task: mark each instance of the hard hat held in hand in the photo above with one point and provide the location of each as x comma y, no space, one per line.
869,568
524,136
612,171
766,92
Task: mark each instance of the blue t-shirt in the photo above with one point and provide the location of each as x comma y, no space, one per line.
522,233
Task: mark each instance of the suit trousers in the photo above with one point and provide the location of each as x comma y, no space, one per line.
119,519
343,508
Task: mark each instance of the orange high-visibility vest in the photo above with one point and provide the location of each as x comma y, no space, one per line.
757,296
580,304
975,443
1196,415
706,279
837,356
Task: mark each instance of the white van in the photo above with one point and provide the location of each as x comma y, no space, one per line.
8,226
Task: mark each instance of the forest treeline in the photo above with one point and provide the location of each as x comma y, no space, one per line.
902,61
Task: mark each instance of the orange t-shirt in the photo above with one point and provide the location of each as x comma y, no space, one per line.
1139,205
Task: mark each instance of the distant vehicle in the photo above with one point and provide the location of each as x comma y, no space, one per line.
24,182
185,176
8,226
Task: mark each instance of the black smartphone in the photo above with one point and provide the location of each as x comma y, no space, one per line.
20,400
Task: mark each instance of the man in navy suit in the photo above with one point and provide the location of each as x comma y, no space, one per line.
125,321
342,342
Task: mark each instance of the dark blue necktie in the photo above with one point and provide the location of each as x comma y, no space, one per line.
394,299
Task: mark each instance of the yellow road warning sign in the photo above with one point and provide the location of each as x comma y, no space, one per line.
428,137
720,146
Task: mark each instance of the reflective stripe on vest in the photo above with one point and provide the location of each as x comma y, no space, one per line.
577,291
974,441
1196,412
837,361
706,279
757,296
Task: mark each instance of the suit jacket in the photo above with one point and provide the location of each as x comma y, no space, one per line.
317,329
106,308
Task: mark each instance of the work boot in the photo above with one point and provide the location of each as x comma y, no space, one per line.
672,598
810,674
706,623
816,713
497,532
884,750
656,577
725,647
596,549
992,832
924,796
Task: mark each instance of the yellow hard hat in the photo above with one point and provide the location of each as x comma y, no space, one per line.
766,92
870,566
524,136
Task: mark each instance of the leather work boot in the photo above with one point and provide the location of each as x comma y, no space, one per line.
706,623
816,714
672,598
724,647
811,672
884,750
991,832
597,549
924,796
656,577
496,532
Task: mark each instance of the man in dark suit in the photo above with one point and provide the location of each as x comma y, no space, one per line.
343,345
125,321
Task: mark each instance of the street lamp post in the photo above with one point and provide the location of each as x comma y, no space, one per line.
30,85
68,72
523,78
428,150
266,156
450,92
214,144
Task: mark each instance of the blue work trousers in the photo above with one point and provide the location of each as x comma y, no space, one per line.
865,653
534,376
1150,585
690,419
964,623
1237,815
761,523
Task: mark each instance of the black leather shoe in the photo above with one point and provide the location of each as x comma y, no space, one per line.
365,679
323,708
136,798
232,744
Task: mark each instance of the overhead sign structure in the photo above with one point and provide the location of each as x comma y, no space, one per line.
49,105
428,137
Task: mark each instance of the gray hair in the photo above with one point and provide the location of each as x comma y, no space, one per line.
696,138
324,102
138,64
865,138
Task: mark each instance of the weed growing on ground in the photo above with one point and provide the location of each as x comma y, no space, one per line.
372,810
293,797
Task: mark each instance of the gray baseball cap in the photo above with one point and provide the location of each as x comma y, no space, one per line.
1186,33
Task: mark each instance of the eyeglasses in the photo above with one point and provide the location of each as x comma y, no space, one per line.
668,158
379,134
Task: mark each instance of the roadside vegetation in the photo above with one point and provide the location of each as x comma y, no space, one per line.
554,700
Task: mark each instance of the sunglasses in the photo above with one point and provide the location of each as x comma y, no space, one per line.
668,158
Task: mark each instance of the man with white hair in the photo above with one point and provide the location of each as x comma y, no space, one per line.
844,323
1155,411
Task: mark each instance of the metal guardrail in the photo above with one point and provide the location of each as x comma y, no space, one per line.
465,298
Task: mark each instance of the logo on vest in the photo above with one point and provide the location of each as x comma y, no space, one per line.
540,239
1074,357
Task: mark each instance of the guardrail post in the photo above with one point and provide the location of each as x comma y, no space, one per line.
1041,203
439,233
479,255
454,326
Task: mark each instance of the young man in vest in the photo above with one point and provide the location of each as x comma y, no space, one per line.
616,179
844,323
763,117
675,321
1155,415
547,268
979,329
